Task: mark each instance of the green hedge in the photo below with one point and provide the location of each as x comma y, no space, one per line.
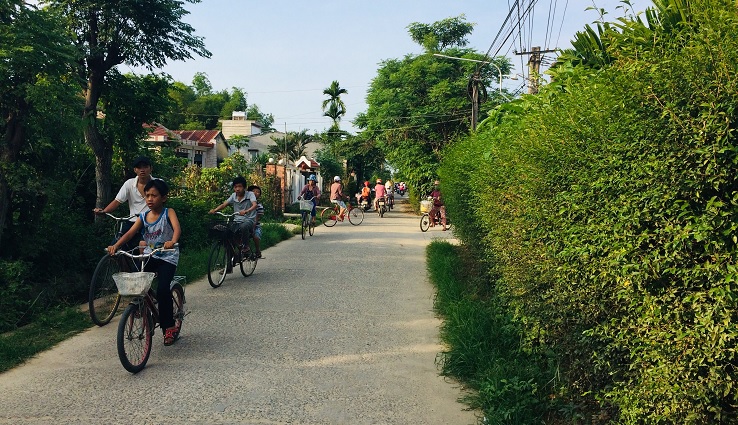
608,207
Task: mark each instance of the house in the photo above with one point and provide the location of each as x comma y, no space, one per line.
204,148
294,177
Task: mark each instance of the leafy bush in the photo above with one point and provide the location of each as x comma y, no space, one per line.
607,205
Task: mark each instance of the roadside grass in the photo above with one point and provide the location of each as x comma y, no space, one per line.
56,325
483,349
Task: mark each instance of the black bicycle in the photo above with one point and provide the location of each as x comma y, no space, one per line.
103,297
226,252
307,224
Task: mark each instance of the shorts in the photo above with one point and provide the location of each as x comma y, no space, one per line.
339,202
257,231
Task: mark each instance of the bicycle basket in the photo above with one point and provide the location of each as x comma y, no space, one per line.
136,283
220,231
306,205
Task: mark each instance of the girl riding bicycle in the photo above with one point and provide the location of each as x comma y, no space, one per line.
158,226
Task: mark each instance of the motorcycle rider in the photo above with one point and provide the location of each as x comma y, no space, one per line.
379,192
366,195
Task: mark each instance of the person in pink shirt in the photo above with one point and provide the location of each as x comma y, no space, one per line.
379,192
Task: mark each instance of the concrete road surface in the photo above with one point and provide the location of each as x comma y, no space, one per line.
335,329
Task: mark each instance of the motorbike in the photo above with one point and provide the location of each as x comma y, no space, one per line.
381,206
365,204
390,201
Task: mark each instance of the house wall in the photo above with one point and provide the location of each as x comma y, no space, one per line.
239,127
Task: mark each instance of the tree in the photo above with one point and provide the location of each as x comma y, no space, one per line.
334,103
112,33
418,105
441,35
34,61
293,145
266,120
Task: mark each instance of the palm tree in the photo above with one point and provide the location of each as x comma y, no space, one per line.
334,105
293,144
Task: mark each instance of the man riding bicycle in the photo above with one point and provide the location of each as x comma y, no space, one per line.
337,196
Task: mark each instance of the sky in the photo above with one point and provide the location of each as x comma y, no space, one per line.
284,53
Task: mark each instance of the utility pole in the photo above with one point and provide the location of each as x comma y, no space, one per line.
534,67
475,101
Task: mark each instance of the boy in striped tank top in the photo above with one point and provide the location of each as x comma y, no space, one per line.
159,227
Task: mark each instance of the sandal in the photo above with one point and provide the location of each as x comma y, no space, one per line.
170,335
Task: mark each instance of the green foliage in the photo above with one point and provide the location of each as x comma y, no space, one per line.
293,144
607,206
446,33
483,342
418,105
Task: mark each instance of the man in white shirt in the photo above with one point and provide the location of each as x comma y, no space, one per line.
132,192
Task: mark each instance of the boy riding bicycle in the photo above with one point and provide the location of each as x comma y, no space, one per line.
244,205
158,226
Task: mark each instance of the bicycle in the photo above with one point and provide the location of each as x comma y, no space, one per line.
307,224
425,221
103,297
141,318
226,252
330,216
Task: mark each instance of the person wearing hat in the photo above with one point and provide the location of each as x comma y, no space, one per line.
311,192
337,195
379,192
132,192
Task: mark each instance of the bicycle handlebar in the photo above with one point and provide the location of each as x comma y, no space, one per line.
126,218
227,215
144,256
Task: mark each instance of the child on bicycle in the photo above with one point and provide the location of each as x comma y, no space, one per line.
159,227
256,190
244,205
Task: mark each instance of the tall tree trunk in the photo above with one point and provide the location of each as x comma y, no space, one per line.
14,135
101,148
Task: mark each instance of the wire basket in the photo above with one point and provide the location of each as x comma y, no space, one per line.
220,231
306,205
136,283
425,206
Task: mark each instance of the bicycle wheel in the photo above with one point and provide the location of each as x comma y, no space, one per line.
304,224
311,228
424,222
134,337
356,216
217,264
328,216
248,264
178,301
103,299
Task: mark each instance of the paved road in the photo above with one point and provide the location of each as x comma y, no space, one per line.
336,329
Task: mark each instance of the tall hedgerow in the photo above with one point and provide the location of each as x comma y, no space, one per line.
608,207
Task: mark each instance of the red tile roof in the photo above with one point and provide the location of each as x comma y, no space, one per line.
157,130
202,137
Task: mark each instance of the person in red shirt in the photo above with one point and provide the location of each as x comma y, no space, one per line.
438,206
